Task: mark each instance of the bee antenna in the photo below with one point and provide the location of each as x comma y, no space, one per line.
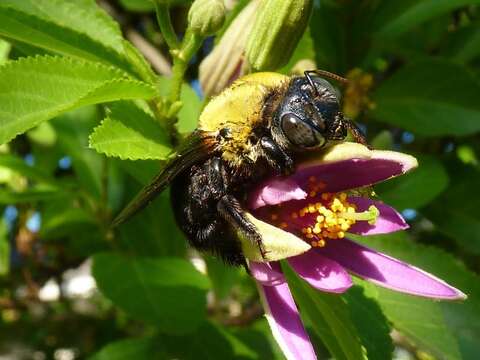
310,81
325,74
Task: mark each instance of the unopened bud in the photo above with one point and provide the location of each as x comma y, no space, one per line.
206,17
278,27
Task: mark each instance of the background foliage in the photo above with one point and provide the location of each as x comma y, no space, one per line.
70,287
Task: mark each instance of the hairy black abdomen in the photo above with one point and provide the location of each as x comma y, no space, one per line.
194,196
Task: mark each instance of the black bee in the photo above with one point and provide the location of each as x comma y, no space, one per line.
253,129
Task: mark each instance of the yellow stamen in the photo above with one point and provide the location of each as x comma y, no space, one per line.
369,215
335,216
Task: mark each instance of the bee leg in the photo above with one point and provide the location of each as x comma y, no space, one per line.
276,156
231,210
357,134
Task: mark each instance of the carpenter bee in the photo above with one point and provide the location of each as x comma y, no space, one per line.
257,127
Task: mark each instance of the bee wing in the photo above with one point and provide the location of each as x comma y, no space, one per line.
195,148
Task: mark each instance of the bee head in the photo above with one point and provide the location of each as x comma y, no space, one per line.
309,115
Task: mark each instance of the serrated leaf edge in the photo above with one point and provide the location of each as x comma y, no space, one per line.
97,14
122,77
31,60
116,58
91,145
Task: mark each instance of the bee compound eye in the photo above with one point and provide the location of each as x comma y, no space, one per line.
300,133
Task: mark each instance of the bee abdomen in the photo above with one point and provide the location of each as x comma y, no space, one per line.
195,195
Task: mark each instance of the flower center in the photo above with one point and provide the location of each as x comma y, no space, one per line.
332,217
326,216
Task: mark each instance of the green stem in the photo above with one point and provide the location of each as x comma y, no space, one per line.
166,27
178,70
181,56
191,44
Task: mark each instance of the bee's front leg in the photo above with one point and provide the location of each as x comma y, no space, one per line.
276,156
231,210
357,134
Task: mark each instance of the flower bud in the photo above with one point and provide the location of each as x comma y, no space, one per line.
278,27
206,17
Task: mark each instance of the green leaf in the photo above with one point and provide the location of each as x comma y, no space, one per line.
64,222
77,28
464,44
4,249
455,212
73,129
130,133
371,324
222,276
258,337
141,171
448,330
4,51
456,223
44,134
431,98
31,195
138,5
154,231
330,318
139,349
304,50
417,188
329,37
166,292
30,171
383,140
190,111
84,16
33,90
210,341
351,326
394,18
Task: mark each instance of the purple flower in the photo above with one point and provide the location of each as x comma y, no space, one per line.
323,201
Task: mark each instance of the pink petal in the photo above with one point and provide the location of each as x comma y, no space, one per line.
285,323
388,221
275,192
335,176
388,272
320,272
266,274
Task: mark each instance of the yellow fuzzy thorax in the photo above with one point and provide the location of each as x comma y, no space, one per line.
239,108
